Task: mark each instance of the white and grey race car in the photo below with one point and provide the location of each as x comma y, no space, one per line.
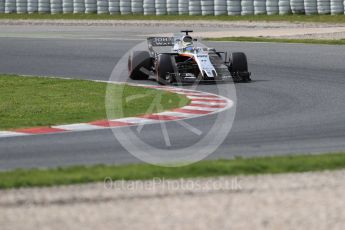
186,62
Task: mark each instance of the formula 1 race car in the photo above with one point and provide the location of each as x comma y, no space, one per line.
186,62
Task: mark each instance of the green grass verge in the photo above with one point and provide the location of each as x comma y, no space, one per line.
238,166
279,40
37,101
289,18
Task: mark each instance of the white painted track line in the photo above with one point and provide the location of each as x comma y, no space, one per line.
137,120
78,127
200,108
11,134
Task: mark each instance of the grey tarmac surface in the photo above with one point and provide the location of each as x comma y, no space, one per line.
294,105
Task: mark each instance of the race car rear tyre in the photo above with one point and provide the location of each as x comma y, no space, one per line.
164,67
239,62
137,61
239,66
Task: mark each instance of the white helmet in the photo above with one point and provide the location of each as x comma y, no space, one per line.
187,41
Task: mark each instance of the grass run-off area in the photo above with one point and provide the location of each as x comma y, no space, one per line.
39,101
238,166
279,40
289,18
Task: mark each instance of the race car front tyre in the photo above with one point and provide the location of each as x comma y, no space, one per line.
239,67
139,65
164,67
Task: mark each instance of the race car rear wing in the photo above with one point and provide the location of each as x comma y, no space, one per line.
160,41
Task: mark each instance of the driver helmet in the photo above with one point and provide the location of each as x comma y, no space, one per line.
187,41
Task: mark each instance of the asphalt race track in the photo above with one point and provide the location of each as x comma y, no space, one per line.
294,105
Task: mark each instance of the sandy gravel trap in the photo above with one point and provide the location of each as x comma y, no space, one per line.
291,201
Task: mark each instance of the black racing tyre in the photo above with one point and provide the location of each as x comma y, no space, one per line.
136,61
163,68
239,67
239,62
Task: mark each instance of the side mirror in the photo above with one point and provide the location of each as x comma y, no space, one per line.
195,39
